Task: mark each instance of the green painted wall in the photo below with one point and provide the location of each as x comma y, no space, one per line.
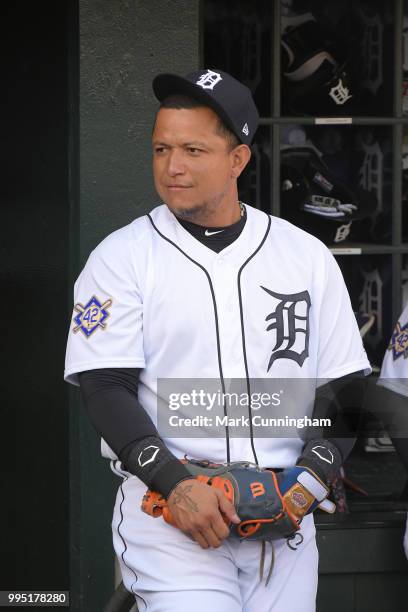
122,46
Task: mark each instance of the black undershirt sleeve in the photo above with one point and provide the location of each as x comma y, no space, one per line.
327,449
111,399
110,395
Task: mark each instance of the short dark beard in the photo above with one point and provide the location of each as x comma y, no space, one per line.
191,214
199,213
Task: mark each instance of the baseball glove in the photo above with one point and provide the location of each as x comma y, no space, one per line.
271,505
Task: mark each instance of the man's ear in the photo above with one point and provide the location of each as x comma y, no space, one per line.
240,157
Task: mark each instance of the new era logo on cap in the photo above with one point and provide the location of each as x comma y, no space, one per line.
228,97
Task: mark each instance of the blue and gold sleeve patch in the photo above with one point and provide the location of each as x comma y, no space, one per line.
399,342
91,316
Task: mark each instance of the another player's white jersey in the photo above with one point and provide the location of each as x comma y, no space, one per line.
394,370
271,305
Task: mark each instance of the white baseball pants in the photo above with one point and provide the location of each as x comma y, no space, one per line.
169,572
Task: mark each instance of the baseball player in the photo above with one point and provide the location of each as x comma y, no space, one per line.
207,287
394,377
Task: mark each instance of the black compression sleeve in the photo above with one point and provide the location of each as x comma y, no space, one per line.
326,450
110,395
154,464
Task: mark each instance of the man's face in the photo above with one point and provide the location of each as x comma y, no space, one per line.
192,164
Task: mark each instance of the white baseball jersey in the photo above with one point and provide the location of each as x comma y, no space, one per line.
394,369
271,305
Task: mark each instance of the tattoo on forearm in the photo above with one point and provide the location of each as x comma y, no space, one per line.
181,496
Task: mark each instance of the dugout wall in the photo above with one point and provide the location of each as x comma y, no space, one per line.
77,166
121,46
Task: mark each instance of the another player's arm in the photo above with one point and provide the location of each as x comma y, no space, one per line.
112,402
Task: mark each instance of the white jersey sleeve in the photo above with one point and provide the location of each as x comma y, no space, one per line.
340,350
107,321
394,370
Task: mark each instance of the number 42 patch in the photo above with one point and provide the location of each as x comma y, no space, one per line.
91,316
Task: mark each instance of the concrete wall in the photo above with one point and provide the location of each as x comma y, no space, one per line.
122,46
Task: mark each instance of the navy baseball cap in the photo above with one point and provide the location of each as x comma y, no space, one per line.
230,99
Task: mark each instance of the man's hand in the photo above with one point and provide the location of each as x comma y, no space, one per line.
270,505
201,511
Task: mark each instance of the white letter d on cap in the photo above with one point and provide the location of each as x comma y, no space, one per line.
209,79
